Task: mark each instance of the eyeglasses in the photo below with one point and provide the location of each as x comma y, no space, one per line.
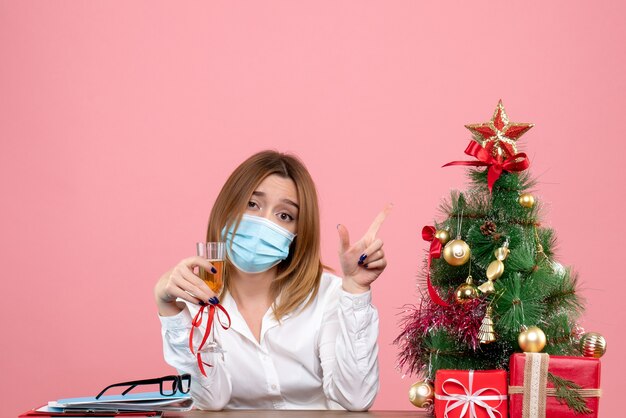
180,383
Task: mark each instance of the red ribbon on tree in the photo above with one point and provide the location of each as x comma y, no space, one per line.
517,162
428,234
197,321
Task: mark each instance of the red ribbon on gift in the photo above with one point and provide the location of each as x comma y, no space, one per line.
517,162
470,400
428,234
197,321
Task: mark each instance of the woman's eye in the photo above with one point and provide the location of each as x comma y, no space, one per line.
252,205
285,217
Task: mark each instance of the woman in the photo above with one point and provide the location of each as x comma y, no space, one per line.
300,338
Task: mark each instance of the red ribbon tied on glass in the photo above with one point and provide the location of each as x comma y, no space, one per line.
517,162
197,321
470,400
428,234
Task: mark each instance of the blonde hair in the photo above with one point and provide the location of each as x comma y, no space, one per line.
299,275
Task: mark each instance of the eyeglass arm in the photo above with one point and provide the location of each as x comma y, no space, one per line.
134,383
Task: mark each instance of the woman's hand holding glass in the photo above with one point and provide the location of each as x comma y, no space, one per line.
197,280
214,279
182,282
363,261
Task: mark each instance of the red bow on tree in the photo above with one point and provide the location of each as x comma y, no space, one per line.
517,162
428,234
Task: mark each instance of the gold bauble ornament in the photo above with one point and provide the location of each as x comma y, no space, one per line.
456,252
466,292
593,345
421,394
443,236
527,200
532,340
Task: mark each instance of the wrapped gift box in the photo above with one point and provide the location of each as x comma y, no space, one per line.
530,387
459,392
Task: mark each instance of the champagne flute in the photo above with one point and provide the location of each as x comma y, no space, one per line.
214,253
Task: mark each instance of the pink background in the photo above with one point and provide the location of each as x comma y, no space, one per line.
119,122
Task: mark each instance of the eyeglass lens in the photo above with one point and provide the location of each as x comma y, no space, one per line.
184,383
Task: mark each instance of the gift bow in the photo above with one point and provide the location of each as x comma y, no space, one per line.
197,321
470,399
428,234
517,162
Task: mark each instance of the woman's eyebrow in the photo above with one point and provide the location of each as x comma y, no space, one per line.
291,202
285,200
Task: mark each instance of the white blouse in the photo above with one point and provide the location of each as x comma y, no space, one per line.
313,359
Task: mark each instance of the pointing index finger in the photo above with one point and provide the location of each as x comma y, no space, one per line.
378,221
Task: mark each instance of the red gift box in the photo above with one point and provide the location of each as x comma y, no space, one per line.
530,387
469,393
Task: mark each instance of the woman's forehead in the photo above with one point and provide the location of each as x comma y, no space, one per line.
278,187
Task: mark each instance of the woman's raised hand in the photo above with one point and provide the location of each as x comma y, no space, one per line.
182,282
363,261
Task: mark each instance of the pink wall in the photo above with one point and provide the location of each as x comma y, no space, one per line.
119,121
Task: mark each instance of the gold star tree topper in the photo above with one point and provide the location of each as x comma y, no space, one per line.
499,135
